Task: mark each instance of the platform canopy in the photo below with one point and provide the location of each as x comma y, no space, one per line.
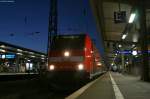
112,17
6,48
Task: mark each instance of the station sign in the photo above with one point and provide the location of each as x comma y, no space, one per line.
7,56
120,17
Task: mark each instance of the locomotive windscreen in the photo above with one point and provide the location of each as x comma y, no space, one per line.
68,42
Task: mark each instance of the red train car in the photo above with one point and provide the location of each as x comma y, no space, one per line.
73,58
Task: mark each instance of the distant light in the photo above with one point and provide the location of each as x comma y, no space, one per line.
42,58
127,62
3,46
33,56
134,53
2,50
99,64
120,45
31,66
124,36
19,50
27,66
3,56
116,54
133,45
135,38
112,64
29,60
114,58
132,17
19,53
31,52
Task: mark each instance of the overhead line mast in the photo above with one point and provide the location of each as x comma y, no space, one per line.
52,25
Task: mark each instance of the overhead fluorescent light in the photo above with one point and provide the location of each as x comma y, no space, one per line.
3,46
1,50
132,17
19,53
124,36
133,45
19,50
42,58
33,56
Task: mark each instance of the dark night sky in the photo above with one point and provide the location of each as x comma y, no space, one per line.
71,20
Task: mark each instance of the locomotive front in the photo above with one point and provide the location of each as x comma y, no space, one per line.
66,61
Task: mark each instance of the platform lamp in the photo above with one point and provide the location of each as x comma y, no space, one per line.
132,16
131,20
124,36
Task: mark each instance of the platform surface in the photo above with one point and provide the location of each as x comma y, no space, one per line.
123,87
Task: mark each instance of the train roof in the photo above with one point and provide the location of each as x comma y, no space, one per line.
62,35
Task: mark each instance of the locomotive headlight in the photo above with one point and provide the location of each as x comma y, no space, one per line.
66,54
80,67
51,67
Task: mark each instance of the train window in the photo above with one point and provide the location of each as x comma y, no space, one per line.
68,42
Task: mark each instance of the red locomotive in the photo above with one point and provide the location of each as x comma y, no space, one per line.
73,58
